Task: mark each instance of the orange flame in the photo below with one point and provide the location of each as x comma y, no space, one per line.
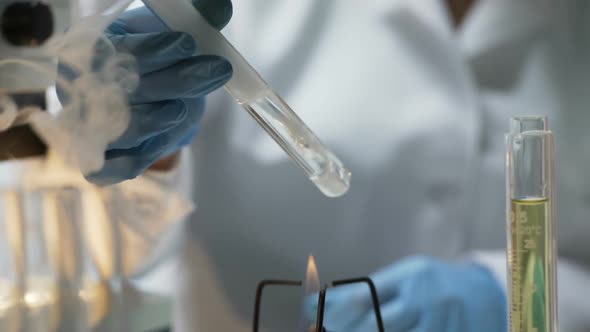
312,279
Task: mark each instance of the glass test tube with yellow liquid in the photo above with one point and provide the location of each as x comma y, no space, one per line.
532,258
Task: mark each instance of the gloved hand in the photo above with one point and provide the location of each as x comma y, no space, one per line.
168,104
419,295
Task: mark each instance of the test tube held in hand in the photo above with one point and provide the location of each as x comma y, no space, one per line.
246,86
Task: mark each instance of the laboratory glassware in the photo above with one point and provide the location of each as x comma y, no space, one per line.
50,276
531,254
248,88
12,269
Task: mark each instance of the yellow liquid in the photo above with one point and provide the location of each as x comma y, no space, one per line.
528,263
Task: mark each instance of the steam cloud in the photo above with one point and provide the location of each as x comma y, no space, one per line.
93,81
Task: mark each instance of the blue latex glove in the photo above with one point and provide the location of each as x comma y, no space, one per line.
168,104
419,295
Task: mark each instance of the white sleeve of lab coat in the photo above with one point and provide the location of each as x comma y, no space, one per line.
162,263
180,177
573,288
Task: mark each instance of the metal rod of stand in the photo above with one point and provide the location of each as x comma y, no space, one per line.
259,291
374,296
321,300
321,307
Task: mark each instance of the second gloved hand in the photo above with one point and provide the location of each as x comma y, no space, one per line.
168,104
419,295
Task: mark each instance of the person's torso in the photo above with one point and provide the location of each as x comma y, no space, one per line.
416,115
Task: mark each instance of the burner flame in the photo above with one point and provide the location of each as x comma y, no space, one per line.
312,279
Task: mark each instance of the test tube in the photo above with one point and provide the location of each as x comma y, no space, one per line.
531,254
246,86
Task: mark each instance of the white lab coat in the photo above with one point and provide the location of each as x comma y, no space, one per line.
417,112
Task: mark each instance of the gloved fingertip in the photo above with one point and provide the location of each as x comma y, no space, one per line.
222,69
209,72
168,42
100,179
216,12
188,138
116,170
117,27
138,20
186,43
172,113
110,175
